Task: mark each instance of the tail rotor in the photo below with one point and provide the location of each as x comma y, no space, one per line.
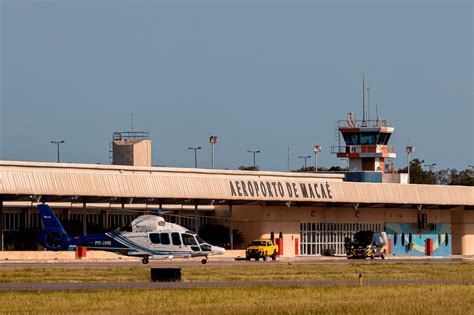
53,237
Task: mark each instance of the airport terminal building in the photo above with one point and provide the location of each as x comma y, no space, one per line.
311,212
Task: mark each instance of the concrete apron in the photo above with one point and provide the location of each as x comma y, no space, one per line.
90,255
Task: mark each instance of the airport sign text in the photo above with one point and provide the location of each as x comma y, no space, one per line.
276,189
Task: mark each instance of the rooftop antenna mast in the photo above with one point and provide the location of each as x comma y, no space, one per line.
363,101
368,103
288,159
131,121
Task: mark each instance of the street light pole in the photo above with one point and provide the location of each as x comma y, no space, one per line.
195,155
409,150
254,152
317,148
304,157
57,146
430,166
213,140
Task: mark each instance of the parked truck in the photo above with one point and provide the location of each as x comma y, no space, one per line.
367,244
261,248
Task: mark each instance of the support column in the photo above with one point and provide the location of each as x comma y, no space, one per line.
66,214
231,227
196,218
176,217
462,224
26,219
1,223
105,220
84,219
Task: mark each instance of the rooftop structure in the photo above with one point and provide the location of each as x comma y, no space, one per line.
131,148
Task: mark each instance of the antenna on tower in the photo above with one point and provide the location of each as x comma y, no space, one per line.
368,102
377,117
363,101
131,121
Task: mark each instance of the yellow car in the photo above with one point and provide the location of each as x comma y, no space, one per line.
261,248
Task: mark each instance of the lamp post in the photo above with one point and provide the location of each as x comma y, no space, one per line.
213,141
254,152
430,166
195,155
317,148
409,150
305,158
57,146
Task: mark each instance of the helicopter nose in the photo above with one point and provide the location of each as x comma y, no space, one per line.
216,250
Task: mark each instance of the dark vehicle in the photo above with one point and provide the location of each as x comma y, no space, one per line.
366,244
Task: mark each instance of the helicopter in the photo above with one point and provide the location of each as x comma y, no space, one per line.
148,237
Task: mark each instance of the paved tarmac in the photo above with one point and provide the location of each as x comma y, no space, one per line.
216,261
224,284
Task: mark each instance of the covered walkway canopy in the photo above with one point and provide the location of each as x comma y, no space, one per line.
90,183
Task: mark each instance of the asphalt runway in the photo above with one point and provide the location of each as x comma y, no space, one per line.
224,284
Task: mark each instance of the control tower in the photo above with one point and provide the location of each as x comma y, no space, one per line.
366,144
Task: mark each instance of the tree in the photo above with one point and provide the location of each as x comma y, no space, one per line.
336,169
452,177
310,169
465,178
441,177
249,168
417,174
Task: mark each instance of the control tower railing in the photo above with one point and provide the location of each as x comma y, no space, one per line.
349,123
131,135
363,149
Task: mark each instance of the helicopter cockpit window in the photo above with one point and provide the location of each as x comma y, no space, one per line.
206,248
188,240
165,238
155,238
199,239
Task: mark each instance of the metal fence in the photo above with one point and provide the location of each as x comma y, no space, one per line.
321,238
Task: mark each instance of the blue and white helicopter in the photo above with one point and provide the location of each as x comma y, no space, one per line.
148,236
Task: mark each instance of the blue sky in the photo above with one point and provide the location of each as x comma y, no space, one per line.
259,75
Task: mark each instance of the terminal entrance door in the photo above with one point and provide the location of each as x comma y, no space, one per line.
323,238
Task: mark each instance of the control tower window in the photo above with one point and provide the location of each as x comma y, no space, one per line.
351,138
368,138
383,138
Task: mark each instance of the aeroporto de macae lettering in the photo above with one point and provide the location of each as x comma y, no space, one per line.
279,190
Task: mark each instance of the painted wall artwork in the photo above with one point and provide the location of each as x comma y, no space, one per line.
406,239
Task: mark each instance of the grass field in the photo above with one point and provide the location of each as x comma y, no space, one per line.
393,299
255,272
426,299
